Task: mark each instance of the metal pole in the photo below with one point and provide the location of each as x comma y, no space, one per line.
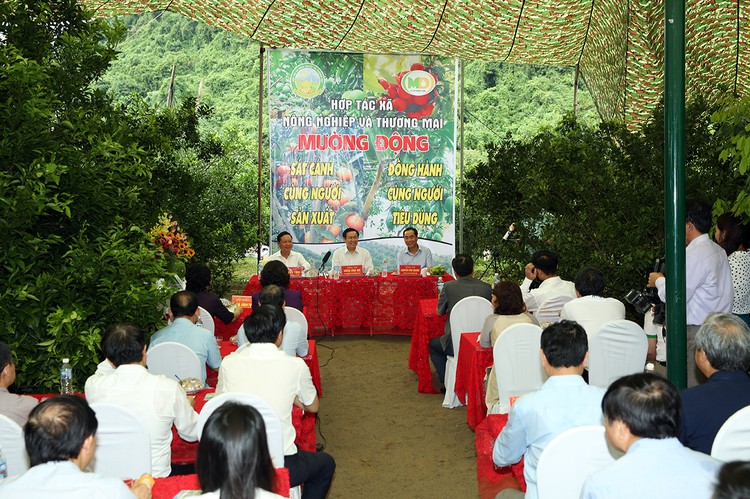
575,92
461,161
260,152
674,187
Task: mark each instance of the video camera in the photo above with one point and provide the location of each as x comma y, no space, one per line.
645,300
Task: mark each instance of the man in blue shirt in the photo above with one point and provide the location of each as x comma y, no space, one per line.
183,312
564,401
641,418
722,353
413,254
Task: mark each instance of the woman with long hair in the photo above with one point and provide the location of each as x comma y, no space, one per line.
275,272
731,234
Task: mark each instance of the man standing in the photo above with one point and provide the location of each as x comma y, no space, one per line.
283,381
722,353
591,310
413,254
564,401
351,254
708,278
16,407
157,400
543,267
641,418
454,291
184,313
60,440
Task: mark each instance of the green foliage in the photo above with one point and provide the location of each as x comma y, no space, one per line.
733,119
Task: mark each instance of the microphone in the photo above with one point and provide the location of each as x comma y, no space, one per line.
511,228
325,259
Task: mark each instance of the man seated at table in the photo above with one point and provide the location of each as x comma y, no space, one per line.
722,353
60,440
16,407
463,286
564,401
283,381
543,269
157,400
414,254
184,313
294,341
591,310
285,254
641,418
352,254
277,274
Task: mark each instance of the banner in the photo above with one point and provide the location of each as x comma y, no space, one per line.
364,141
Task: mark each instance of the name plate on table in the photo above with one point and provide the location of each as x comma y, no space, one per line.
242,300
295,271
410,270
351,270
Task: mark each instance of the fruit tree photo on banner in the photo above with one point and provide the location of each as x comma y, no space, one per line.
364,141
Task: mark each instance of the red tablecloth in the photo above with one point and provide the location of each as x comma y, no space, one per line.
491,479
360,302
226,331
426,326
167,488
473,360
311,359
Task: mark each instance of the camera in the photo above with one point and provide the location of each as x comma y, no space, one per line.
645,300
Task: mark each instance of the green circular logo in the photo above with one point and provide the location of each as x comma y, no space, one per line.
307,80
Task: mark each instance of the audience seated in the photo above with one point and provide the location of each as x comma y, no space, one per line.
233,459
283,381
157,400
16,407
723,355
642,414
184,313
543,269
509,310
732,235
294,341
564,401
733,481
463,286
275,272
198,279
591,310
60,440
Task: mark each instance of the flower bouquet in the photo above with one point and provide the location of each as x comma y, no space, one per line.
172,241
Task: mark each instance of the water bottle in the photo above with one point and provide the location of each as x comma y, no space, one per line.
440,285
3,466
384,272
66,378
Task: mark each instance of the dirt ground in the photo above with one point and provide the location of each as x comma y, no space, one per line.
389,441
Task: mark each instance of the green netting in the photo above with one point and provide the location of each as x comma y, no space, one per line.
618,44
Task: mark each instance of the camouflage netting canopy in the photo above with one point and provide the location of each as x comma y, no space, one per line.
617,44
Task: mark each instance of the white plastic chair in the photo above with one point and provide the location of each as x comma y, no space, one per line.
618,349
207,320
123,444
173,359
569,459
517,364
549,311
294,315
13,446
270,418
467,315
732,442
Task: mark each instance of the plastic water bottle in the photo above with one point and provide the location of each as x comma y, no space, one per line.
66,378
384,272
440,285
3,466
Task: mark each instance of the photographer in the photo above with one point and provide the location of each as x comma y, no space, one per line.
708,278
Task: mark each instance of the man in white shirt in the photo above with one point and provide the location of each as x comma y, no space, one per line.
60,441
286,255
294,340
708,279
16,407
157,400
283,381
543,267
351,254
413,253
591,310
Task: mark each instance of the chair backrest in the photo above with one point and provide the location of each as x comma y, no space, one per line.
618,349
270,418
207,320
732,442
173,359
569,459
549,311
294,315
468,315
13,446
123,445
517,363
